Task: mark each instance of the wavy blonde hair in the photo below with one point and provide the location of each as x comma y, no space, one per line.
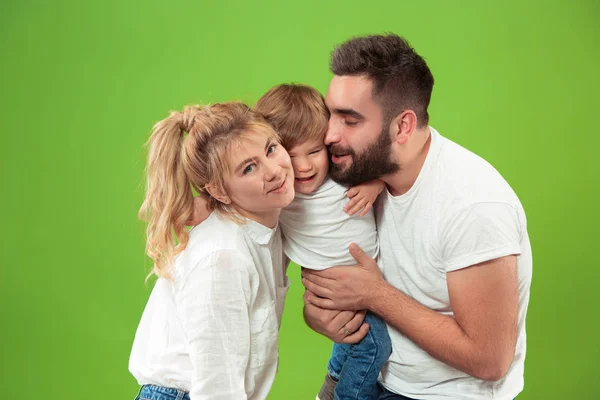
188,149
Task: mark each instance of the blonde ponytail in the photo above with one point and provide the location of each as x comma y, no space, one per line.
188,150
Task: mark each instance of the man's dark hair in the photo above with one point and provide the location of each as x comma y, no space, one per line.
401,78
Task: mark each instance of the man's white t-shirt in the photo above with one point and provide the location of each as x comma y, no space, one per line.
317,231
459,212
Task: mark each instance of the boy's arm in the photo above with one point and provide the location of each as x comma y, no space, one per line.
363,196
201,211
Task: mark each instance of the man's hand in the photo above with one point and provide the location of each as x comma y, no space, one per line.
363,196
201,211
345,288
340,326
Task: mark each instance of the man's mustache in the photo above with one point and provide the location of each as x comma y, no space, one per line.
338,150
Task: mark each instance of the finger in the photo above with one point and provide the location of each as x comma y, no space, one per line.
324,277
321,278
357,336
317,291
317,316
306,295
352,192
356,321
357,207
344,318
359,255
366,209
321,302
351,203
347,328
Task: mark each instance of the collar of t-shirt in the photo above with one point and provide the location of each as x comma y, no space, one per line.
258,232
325,186
433,152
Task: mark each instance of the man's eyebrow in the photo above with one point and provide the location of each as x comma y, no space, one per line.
348,112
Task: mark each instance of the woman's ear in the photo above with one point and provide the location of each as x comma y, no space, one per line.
218,194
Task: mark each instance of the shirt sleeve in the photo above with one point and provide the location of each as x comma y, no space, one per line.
479,233
213,308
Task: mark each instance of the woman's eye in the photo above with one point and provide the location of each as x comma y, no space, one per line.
271,148
248,169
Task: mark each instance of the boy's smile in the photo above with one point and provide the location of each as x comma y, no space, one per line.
311,165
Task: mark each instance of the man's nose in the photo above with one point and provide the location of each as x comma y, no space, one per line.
332,135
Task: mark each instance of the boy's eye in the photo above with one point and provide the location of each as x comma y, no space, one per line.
248,169
316,151
271,148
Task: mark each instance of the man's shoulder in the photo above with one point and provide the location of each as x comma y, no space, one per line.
464,178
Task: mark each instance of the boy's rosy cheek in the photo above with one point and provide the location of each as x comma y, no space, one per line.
294,167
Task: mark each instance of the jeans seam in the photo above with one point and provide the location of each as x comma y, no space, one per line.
364,377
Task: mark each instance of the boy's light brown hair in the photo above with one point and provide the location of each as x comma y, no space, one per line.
297,112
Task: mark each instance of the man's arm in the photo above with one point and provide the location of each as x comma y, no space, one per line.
480,340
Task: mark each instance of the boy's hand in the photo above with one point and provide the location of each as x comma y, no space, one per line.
201,211
363,196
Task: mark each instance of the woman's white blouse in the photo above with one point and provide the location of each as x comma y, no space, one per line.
213,329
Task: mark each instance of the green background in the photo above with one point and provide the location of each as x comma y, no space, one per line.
82,83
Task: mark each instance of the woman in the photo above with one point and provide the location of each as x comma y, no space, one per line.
210,327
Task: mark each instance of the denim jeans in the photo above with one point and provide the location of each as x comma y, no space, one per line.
152,392
384,394
356,366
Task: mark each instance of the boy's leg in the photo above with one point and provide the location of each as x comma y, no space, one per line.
339,354
358,377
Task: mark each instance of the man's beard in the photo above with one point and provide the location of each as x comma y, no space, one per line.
370,164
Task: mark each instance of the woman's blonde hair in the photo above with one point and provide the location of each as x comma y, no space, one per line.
188,149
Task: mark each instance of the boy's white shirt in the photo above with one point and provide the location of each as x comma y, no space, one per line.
317,231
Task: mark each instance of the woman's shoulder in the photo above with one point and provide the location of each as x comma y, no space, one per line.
215,238
214,228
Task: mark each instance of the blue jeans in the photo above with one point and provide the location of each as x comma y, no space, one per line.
382,393
356,366
152,392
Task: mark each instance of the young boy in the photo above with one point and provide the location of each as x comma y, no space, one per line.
320,223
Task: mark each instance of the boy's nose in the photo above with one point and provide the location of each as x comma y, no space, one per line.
303,165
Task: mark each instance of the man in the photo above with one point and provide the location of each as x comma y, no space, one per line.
454,249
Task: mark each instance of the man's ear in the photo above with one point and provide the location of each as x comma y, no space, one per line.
218,194
403,126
